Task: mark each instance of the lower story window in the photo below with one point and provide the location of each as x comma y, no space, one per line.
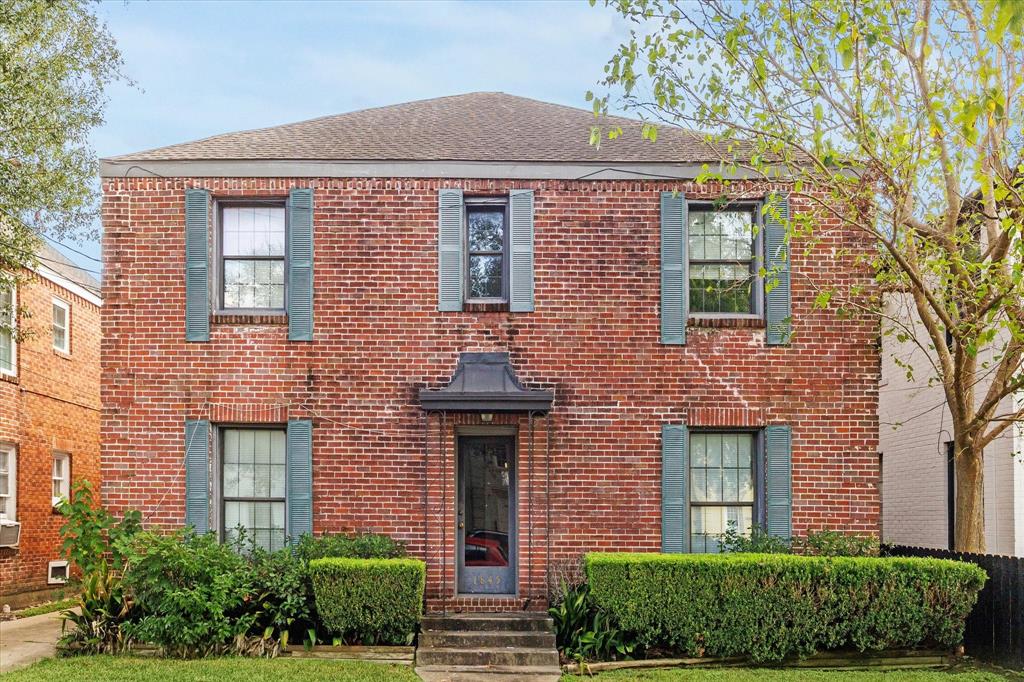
721,487
8,482
253,485
61,477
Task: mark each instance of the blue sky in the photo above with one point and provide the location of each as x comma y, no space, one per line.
203,68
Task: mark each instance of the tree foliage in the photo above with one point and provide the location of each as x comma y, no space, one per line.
56,60
905,116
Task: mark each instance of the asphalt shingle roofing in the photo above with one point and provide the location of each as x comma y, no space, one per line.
479,126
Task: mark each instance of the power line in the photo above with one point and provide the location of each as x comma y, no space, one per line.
72,249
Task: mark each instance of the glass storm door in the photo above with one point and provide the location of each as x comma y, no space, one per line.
486,515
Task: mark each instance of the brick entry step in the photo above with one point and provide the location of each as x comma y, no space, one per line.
487,647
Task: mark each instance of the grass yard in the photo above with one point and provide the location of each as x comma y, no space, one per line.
124,669
768,675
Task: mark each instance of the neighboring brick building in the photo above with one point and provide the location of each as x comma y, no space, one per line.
49,415
916,442
476,244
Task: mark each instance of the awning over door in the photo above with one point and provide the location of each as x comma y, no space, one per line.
485,382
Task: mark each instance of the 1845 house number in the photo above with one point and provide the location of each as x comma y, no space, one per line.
488,581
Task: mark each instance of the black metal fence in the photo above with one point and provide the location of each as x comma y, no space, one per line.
995,628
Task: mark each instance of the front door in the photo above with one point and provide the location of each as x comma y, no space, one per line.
486,515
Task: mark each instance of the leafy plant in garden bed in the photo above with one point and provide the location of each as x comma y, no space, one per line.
768,607
369,601
584,632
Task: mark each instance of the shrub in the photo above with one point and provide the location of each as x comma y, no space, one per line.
369,601
91,537
193,594
353,546
282,595
836,543
758,542
769,607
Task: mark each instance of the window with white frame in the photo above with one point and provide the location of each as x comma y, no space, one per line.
8,338
61,477
8,482
253,486
61,326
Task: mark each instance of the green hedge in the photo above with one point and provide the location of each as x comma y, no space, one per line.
369,601
771,606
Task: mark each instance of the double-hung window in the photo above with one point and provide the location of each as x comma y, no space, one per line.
724,261
486,250
8,482
252,256
8,338
722,482
61,326
61,477
253,485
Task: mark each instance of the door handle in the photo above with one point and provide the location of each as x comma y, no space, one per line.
461,524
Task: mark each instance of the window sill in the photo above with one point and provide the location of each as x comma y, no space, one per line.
489,307
726,322
249,318
62,353
9,378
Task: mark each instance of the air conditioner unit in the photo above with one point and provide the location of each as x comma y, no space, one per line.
10,533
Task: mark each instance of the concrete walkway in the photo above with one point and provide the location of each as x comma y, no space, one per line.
27,640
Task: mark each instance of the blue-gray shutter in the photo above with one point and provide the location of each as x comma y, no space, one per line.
778,445
449,250
778,313
197,268
299,473
197,475
300,265
673,268
675,524
521,246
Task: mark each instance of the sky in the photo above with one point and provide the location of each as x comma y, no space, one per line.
203,68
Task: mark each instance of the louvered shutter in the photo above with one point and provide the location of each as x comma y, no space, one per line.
299,473
197,475
300,265
673,268
521,247
674,469
778,481
778,314
197,279
449,250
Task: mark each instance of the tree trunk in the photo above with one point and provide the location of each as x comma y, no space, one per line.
969,526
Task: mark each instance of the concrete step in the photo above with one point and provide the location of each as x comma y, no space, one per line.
474,639
495,656
532,622
488,673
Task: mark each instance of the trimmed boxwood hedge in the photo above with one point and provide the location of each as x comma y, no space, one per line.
369,601
772,606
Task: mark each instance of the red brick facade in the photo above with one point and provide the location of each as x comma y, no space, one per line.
593,339
51,405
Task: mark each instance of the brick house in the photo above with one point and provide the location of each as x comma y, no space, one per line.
457,322
49,416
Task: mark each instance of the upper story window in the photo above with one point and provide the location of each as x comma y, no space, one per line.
724,262
8,340
61,326
486,250
721,487
61,477
8,482
252,254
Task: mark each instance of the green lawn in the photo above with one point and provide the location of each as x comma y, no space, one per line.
123,669
765,675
